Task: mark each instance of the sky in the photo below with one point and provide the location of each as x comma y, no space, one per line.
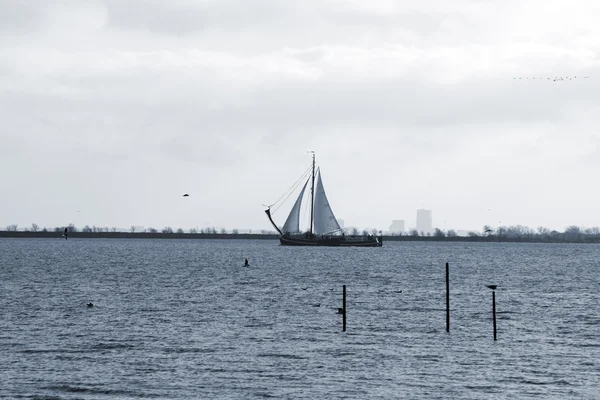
111,110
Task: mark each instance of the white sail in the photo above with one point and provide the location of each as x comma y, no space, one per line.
292,223
324,219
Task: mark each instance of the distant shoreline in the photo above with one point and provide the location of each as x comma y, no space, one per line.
247,236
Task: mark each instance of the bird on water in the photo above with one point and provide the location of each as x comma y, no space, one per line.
90,305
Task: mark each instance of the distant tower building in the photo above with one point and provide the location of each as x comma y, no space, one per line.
397,225
341,223
424,222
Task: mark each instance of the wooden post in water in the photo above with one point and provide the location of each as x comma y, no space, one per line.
344,309
494,311
447,299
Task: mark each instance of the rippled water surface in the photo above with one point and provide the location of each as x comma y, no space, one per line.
181,319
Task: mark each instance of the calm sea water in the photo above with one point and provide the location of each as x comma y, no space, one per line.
182,319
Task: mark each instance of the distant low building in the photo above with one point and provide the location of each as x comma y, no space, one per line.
397,225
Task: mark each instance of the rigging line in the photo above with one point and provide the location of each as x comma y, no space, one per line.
288,196
294,186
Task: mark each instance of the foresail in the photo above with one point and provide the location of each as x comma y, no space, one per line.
324,219
292,223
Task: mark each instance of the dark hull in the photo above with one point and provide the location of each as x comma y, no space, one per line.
333,241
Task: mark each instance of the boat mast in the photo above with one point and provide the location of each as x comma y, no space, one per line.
312,195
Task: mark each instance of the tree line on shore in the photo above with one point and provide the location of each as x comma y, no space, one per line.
572,233
133,229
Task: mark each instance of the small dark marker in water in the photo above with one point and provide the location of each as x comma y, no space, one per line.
246,263
317,305
90,305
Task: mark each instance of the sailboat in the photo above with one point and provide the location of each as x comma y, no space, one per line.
324,229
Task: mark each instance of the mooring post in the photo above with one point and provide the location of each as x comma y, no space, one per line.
494,311
344,309
447,299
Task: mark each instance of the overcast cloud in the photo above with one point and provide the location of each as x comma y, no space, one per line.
111,110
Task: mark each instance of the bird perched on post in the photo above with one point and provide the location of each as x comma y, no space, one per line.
493,287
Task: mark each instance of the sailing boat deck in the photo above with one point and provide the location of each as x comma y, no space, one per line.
324,229
331,240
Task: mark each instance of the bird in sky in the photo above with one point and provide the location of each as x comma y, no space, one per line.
186,195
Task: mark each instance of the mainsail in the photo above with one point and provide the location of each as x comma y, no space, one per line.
292,223
325,221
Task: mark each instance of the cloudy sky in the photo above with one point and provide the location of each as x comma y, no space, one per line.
112,109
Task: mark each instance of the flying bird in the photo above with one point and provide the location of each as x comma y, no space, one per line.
186,195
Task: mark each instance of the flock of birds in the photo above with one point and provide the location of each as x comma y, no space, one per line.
555,79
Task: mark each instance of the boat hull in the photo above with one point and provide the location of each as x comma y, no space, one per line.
331,241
